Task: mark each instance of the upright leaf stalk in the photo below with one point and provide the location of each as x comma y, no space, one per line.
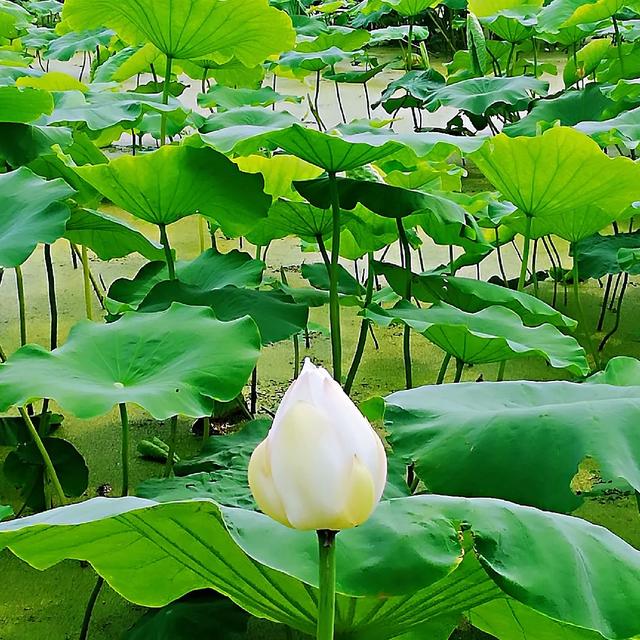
327,583
334,301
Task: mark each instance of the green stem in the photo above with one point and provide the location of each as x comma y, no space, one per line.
406,338
618,39
3,355
53,304
168,256
296,356
334,301
206,429
501,368
88,612
535,57
21,306
459,369
525,254
124,420
86,278
443,368
51,472
582,323
364,329
168,470
409,61
327,575
165,100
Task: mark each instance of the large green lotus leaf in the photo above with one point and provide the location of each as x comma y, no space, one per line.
287,218
103,109
597,255
493,334
383,199
174,182
401,32
276,314
31,211
410,8
479,95
22,143
568,13
629,260
318,276
302,63
66,46
365,232
418,86
410,547
24,468
13,19
23,105
507,619
279,172
249,30
621,371
585,61
623,130
331,152
210,270
345,38
569,108
229,98
244,130
203,614
172,362
109,237
471,295
509,429
543,179
487,8
37,38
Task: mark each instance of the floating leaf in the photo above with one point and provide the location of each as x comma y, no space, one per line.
31,211
228,98
493,334
169,363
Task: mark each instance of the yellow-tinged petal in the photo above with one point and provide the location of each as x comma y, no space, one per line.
262,487
360,499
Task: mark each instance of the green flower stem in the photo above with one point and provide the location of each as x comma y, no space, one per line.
168,470
525,254
501,368
459,369
327,574
206,429
88,612
21,306
364,329
443,368
168,256
124,420
3,355
409,61
582,322
165,100
51,472
86,278
406,342
334,301
53,304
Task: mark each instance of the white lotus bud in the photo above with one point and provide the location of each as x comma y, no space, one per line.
321,466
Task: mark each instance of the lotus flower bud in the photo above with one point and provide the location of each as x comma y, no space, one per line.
321,466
